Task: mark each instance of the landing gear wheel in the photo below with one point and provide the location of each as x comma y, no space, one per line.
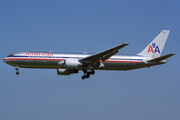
87,76
17,73
87,73
92,72
83,77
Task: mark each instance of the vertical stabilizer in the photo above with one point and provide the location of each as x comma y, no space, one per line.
155,48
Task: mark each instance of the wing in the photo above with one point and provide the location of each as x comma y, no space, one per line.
104,55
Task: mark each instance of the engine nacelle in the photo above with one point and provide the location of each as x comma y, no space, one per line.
72,64
66,71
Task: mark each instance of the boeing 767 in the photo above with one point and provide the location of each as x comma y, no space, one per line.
70,63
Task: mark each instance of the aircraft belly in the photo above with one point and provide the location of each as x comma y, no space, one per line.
35,64
122,66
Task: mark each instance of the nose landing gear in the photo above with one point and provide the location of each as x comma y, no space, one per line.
17,71
87,73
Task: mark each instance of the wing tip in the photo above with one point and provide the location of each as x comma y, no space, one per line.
173,54
125,44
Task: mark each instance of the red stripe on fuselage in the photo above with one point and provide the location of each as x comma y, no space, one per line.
48,59
53,59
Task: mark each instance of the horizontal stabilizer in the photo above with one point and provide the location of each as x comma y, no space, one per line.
161,58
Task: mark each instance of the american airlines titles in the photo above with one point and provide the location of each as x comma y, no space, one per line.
39,54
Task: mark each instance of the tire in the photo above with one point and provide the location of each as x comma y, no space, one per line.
87,76
83,77
93,72
17,73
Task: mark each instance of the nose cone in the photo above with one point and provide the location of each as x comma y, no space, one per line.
8,61
5,60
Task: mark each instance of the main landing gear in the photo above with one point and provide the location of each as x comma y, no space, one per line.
17,71
87,73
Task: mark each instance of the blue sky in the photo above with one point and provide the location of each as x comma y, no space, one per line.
89,26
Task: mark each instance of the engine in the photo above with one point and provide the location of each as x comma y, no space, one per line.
66,71
72,64
69,66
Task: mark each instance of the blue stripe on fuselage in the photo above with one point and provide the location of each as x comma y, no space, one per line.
78,58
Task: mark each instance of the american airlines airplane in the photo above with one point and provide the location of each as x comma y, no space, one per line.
70,63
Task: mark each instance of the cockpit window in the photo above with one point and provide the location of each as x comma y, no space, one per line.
10,55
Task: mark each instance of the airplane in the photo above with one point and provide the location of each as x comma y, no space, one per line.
71,63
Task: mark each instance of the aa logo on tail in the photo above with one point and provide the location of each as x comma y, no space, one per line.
153,48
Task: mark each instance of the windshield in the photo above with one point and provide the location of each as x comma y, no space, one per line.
11,55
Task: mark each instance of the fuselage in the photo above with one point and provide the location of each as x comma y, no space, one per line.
50,60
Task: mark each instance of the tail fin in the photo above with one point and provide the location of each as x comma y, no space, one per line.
155,48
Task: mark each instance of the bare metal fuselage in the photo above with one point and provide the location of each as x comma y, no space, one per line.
51,60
